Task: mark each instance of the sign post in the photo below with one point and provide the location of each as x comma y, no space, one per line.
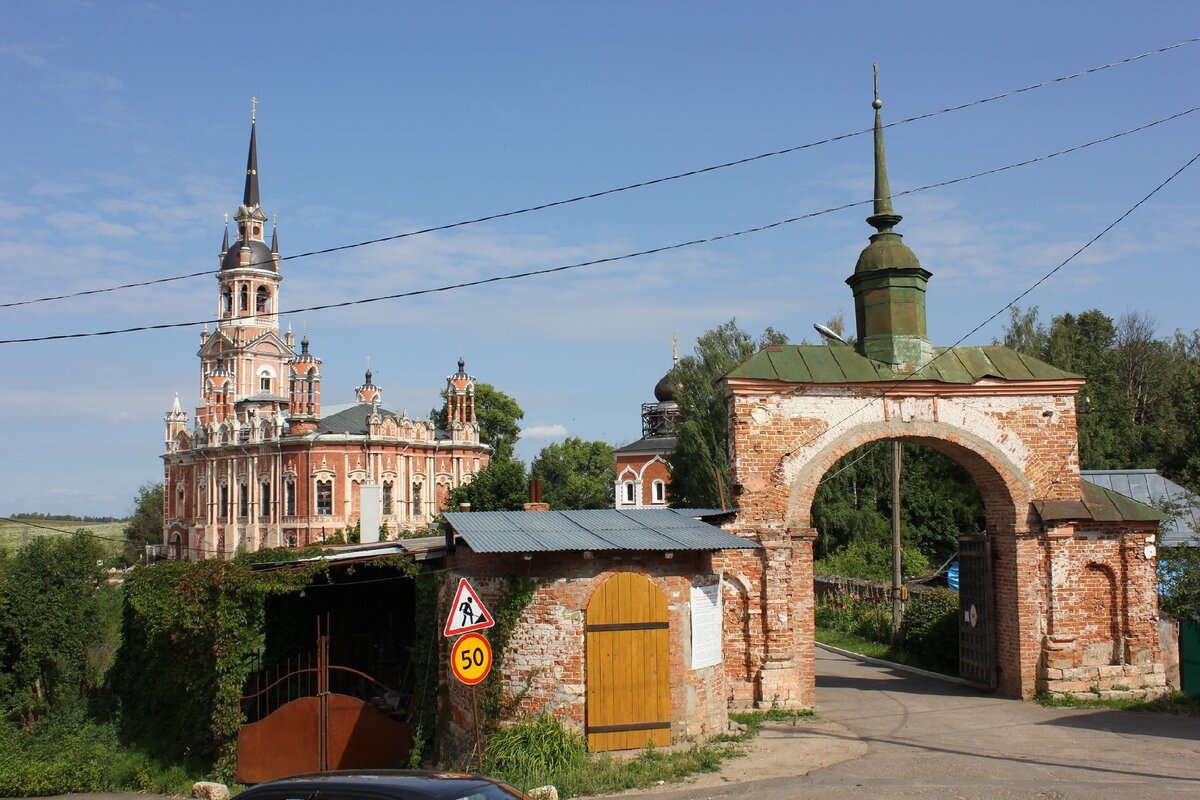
471,655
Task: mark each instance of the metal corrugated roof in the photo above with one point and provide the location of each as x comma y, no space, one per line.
601,529
1097,503
804,363
1148,487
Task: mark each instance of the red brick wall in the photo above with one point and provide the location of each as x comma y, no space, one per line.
1018,448
650,469
544,665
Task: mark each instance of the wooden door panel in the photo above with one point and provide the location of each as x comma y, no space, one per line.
628,678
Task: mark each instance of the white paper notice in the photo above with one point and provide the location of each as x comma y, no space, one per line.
706,626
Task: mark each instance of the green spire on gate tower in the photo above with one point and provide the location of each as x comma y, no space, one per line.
888,280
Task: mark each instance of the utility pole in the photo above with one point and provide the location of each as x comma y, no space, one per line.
897,578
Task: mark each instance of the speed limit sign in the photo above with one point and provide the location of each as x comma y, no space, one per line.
471,658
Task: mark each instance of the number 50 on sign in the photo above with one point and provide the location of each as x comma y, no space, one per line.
471,658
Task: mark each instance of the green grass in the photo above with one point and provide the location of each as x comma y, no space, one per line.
540,752
1174,703
16,533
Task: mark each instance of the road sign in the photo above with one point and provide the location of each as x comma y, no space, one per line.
471,658
467,612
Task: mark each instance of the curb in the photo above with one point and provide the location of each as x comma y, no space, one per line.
879,662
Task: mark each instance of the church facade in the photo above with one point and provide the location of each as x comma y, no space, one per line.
262,463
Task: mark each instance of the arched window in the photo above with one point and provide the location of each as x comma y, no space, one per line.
265,500
630,498
262,298
245,296
416,499
324,498
289,498
264,381
387,497
660,492
226,300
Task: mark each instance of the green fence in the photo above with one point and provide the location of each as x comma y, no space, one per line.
1189,657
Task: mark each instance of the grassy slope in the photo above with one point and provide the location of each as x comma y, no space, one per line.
14,534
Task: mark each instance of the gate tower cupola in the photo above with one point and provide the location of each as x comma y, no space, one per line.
888,281
368,392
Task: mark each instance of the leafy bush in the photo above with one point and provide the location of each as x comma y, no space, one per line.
69,752
871,559
849,613
929,631
535,752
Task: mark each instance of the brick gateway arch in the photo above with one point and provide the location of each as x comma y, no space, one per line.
1073,586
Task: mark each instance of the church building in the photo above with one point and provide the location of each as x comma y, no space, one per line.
263,464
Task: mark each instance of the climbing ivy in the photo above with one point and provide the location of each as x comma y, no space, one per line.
191,632
516,596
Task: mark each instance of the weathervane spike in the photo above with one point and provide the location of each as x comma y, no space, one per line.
253,109
675,349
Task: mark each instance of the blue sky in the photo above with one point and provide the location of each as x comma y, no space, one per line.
123,139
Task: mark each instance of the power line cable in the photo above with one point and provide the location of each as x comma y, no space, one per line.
918,375
623,257
626,187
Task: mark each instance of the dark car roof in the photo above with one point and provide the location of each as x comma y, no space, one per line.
398,783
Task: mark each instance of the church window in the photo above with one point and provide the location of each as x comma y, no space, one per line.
289,498
416,499
291,540
226,300
245,297
660,492
243,500
261,298
264,382
179,501
629,498
266,499
223,507
324,498
387,497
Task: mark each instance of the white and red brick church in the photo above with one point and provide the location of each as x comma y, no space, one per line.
263,464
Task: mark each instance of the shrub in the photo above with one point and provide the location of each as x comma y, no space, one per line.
535,752
851,614
929,632
871,559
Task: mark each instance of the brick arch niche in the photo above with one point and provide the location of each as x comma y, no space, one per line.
1018,441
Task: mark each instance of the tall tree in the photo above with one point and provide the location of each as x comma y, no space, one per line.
498,416
501,486
146,525
700,460
575,474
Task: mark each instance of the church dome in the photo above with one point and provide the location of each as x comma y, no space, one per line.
260,256
664,391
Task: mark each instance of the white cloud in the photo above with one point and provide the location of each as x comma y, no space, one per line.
549,431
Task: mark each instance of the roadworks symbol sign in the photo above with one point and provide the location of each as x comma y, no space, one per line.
467,612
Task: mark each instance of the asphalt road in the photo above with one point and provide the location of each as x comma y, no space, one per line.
929,739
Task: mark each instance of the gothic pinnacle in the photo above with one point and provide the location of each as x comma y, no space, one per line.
884,217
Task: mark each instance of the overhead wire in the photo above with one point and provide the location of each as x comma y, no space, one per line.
918,375
622,257
624,188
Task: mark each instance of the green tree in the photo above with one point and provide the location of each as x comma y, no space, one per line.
575,474
700,460
498,416
51,632
146,525
501,486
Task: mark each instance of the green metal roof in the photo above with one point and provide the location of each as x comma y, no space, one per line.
1100,504
803,363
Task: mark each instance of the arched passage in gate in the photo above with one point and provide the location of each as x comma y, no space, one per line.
995,588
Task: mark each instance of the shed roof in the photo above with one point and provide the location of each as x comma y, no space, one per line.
600,529
804,363
1099,504
1148,487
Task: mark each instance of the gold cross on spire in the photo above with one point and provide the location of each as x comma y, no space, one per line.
253,108
875,68
675,349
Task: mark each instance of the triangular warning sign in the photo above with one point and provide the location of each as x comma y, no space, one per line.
467,612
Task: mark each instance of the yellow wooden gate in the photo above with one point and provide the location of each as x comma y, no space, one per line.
628,674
